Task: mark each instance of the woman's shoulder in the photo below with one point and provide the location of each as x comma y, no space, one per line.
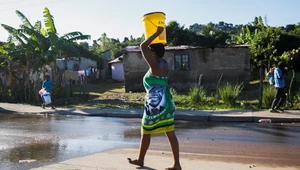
164,62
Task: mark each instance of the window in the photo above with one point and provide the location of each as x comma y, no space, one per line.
181,62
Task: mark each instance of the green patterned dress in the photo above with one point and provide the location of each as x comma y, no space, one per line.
159,108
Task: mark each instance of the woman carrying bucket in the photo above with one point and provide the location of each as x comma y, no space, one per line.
159,108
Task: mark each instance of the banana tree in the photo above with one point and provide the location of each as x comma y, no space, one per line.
27,53
37,46
63,46
6,62
245,36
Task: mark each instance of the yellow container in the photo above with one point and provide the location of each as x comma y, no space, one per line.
151,22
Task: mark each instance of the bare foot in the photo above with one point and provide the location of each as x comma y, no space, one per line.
135,162
173,168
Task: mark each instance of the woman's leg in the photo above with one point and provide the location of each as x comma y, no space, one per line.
144,145
175,150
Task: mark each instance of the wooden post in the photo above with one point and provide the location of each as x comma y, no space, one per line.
11,79
217,90
198,87
261,83
71,91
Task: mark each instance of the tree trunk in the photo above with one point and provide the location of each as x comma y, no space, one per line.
290,86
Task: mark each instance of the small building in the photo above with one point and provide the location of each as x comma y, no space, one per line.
187,64
75,63
117,71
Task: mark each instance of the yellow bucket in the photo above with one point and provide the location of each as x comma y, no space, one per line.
151,22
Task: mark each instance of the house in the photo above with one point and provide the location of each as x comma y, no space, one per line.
117,71
106,70
75,63
187,63
106,55
69,69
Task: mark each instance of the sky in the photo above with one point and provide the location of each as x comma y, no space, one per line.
122,18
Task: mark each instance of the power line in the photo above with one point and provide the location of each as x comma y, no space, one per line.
26,6
11,2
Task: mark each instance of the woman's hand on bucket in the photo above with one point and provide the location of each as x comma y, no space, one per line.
159,30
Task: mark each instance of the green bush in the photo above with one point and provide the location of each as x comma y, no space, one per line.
297,97
173,92
197,95
296,100
229,93
268,96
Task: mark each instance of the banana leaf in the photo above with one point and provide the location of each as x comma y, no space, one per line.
49,22
24,19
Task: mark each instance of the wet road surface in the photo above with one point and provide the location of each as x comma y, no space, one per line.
29,141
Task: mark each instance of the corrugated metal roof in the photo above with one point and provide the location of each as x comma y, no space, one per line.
182,47
117,60
167,48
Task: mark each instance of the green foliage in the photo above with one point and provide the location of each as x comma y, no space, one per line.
210,35
75,36
245,36
181,101
293,30
268,96
296,97
262,47
287,42
173,91
197,95
292,58
229,93
24,19
115,47
176,34
193,95
49,22
32,47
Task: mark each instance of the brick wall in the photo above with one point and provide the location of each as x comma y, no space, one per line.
232,62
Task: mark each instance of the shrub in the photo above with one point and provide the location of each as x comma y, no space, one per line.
296,100
230,93
296,97
173,92
197,95
202,95
193,95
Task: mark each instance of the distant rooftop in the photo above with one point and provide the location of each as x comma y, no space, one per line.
182,47
137,48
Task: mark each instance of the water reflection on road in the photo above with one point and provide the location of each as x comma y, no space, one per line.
29,141
45,139
279,133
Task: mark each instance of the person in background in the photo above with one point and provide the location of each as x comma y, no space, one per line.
47,85
279,86
158,116
270,76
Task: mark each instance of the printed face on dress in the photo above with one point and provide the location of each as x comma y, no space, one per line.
155,95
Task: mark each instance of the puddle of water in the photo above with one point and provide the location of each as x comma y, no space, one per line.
36,140
44,152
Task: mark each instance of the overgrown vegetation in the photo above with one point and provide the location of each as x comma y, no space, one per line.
229,93
32,46
112,95
268,96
